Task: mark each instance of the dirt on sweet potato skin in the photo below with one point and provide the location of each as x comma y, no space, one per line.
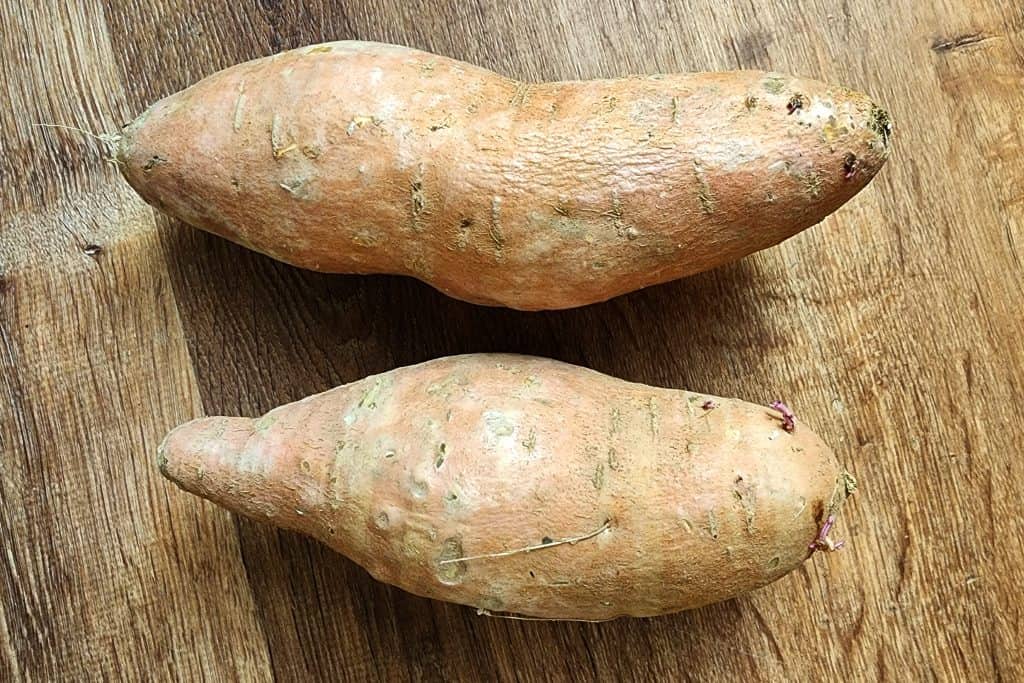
527,486
356,157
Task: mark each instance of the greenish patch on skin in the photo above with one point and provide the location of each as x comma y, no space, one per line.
419,489
265,423
598,478
369,399
440,455
161,458
294,187
773,84
750,102
499,425
832,130
774,563
319,49
492,603
811,181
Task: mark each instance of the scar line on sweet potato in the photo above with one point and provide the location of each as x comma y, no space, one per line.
562,541
481,612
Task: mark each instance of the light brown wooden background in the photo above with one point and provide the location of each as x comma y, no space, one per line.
894,328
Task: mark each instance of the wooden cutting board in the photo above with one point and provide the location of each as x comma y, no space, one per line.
894,328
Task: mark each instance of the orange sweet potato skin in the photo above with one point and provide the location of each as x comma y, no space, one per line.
483,454
357,157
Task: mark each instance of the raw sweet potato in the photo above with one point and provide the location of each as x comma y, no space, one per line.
356,157
529,486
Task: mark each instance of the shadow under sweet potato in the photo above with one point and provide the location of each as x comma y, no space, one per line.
262,333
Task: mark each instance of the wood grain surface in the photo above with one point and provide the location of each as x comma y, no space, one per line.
894,328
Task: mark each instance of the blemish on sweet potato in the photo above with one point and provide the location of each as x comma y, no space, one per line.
774,84
358,122
369,398
704,193
462,233
849,165
712,525
812,183
446,122
278,146
494,226
520,95
418,199
450,569
236,123
653,416
880,123
153,162
530,442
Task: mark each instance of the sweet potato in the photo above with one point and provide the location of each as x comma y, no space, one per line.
356,157
528,486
